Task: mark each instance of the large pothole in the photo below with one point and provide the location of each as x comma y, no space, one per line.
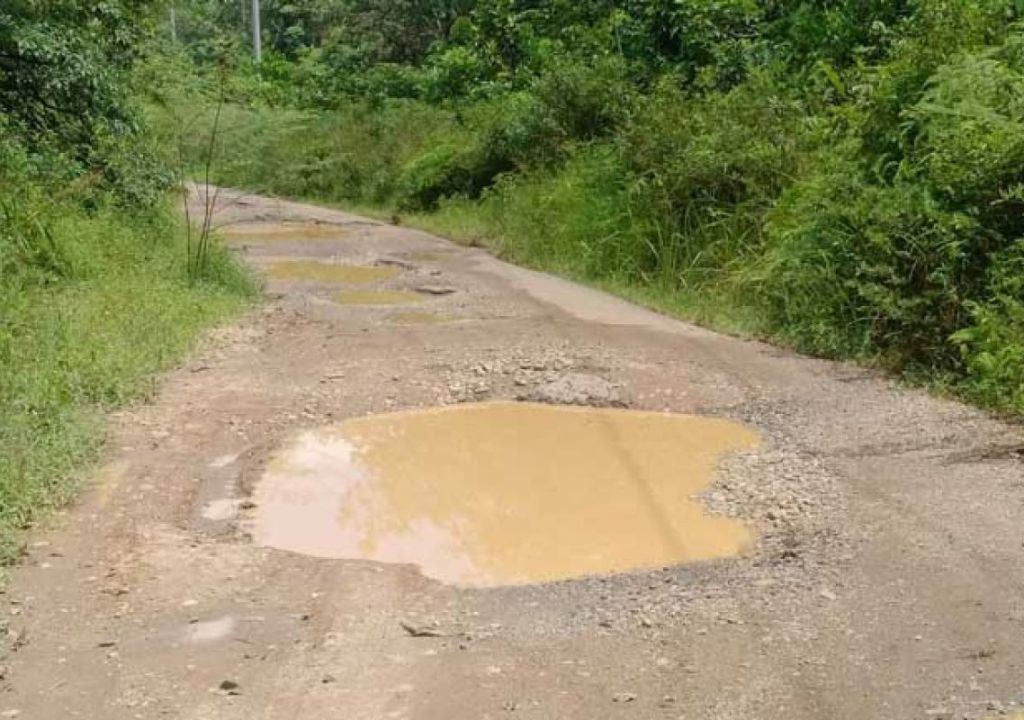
330,272
503,493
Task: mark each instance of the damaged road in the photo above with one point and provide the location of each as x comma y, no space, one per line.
880,572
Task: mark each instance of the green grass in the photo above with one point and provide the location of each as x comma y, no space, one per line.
696,208
93,338
579,222
465,223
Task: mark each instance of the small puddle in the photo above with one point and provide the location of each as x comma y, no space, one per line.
330,272
283,231
428,255
503,493
418,318
377,297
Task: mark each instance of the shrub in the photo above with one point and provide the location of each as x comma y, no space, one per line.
514,132
707,170
453,73
992,345
447,171
855,267
860,263
586,100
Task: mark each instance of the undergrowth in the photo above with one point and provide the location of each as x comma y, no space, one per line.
96,296
844,178
85,333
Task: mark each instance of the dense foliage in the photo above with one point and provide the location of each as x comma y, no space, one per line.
843,175
94,297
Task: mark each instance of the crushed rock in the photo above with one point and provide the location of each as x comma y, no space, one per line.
576,389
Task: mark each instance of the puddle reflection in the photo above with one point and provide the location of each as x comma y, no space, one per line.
503,493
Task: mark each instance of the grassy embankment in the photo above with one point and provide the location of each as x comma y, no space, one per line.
98,291
834,264
842,177
93,304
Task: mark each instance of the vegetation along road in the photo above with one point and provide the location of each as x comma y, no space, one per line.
708,408
884,577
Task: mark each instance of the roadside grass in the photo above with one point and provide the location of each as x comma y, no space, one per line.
788,262
89,339
561,222
579,223
709,307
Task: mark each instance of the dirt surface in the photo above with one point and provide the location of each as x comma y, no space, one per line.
886,581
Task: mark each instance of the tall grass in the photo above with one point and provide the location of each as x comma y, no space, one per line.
84,329
587,221
355,155
867,210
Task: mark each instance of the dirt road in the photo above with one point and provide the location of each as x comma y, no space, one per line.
885,578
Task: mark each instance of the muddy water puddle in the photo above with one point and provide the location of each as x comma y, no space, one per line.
418,318
283,231
315,271
503,493
377,297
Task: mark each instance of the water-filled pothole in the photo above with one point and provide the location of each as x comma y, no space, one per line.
503,493
377,297
283,231
418,318
330,272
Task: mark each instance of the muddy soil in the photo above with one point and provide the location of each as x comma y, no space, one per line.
882,575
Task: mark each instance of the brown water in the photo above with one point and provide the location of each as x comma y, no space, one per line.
330,272
377,297
503,493
283,231
418,318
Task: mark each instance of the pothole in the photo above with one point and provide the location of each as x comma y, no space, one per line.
283,231
331,272
576,389
377,297
503,493
418,318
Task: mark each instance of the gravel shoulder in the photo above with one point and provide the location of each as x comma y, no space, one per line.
887,580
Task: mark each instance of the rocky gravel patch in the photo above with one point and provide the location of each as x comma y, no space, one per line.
575,388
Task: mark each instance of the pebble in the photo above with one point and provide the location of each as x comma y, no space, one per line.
576,389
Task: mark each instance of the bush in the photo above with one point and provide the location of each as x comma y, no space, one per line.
574,219
512,133
968,132
586,101
94,299
859,263
992,345
854,267
846,176
454,73
707,170
448,171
